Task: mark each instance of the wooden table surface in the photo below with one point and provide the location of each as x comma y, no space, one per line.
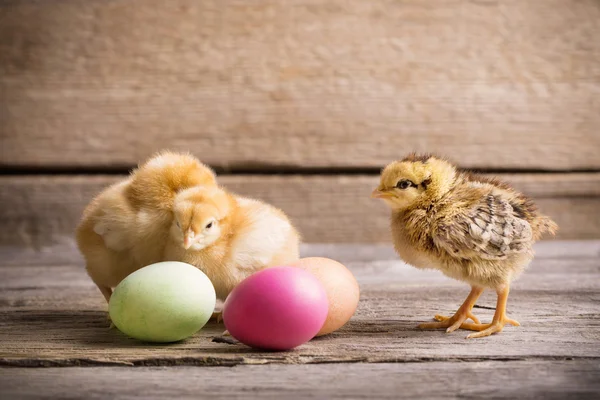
56,342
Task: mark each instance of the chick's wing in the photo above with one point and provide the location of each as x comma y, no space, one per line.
489,228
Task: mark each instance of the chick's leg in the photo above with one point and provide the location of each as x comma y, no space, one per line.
106,292
217,316
499,320
458,319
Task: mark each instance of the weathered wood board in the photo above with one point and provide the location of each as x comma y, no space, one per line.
349,84
56,317
577,379
39,213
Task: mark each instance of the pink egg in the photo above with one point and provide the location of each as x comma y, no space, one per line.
277,308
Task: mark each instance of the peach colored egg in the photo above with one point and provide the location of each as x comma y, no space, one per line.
341,287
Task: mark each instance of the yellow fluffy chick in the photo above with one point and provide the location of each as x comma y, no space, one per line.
126,226
229,237
471,228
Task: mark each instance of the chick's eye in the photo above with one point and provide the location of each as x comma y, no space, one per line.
209,225
404,184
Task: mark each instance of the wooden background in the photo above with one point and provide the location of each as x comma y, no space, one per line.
297,102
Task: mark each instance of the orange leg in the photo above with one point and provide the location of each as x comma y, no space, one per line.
499,320
457,320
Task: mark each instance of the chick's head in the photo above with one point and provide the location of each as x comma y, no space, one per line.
199,214
414,181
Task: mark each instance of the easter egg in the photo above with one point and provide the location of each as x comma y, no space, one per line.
277,308
342,290
163,302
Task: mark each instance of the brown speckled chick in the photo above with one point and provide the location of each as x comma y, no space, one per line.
471,228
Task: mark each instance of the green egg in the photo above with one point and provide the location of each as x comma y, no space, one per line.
163,302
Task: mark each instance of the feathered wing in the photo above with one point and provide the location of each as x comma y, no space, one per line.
488,229
113,217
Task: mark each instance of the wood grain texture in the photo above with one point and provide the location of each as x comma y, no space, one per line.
56,317
438,380
39,213
493,84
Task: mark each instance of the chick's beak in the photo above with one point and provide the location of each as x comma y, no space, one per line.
188,239
379,194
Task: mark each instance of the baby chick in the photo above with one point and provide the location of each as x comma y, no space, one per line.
127,225
471,228
229,237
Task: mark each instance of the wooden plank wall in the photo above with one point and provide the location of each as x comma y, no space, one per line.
326,92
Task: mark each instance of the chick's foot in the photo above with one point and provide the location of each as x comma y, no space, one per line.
470,316
489,329
500,318
450,323
457,320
